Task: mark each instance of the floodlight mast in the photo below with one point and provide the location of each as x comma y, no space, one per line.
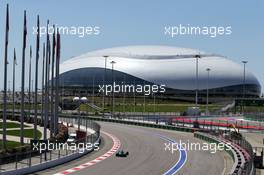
105,64
207,91
244,84
113,97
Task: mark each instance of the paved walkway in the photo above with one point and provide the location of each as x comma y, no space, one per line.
30,126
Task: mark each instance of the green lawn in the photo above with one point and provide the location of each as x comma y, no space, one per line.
149,107
10,144
12,125
254,109
27,133
17,106
161,105
86,108
157,107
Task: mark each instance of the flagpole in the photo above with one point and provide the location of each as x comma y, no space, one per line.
5,77
52,83
29,80
43,87
23,82
46,86
57,83
46,117
36,82
14,77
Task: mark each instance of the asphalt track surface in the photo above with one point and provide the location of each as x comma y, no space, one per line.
147,154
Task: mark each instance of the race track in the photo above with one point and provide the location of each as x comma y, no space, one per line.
147,155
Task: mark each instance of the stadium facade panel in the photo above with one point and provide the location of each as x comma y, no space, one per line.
171,66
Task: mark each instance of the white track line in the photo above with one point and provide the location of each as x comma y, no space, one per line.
109,153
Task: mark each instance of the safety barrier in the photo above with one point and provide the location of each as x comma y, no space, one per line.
256,116
243,164
137,123
55,157
209,139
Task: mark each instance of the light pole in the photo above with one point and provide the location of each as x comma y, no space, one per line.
9,90
134,94
144,101
196,80
105,64
244,83
124,97
93,90
79,110
154,102
207,90
113,98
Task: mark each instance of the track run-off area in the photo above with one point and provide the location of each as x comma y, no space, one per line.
147,154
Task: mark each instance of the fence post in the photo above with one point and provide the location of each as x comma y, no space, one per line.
16,161
86,126
30,159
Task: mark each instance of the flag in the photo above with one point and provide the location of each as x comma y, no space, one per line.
56,120
30,52
52,81
49,52
7,27
15,61
44,50
48,43
7,23
54,36
38,35
25,30
53,42
58,45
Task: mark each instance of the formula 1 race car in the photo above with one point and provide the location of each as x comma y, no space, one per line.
121,153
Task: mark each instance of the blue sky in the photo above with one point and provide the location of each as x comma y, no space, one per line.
137,22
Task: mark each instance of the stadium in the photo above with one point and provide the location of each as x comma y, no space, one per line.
173,67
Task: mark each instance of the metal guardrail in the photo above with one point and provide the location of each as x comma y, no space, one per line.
246,147
240,166
256,116
138,123
29,159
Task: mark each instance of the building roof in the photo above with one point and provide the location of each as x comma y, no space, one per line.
166,65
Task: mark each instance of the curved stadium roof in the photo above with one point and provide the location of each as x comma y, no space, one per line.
173,66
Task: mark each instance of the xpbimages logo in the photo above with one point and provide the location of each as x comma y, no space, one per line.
46,145
131,88
80,31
